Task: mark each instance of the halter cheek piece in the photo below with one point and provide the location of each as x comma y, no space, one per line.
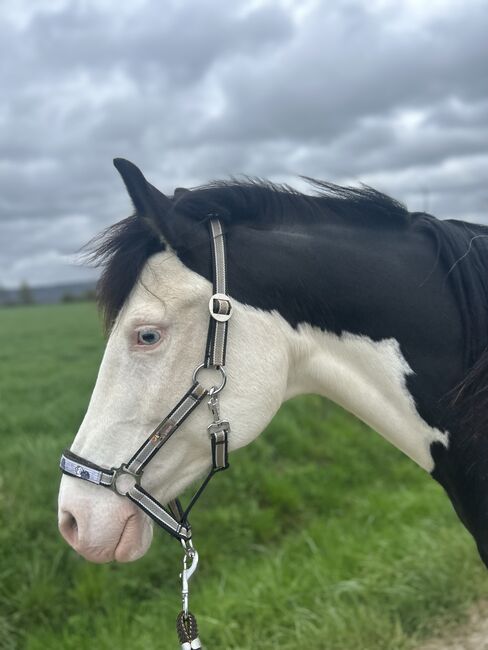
125,480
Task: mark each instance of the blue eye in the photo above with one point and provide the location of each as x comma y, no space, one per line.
148,337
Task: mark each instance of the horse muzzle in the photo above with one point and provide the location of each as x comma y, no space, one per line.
102,529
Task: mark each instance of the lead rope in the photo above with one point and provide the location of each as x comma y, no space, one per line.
186,623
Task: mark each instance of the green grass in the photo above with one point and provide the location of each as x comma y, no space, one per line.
320,536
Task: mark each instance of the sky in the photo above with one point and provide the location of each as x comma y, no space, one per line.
389,93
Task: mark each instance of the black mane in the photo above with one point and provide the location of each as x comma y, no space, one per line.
262,204
463,250
123,249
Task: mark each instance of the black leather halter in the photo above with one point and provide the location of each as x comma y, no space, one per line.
125,480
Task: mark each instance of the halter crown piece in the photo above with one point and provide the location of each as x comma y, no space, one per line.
125,480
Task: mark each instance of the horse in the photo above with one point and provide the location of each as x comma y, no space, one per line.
341,292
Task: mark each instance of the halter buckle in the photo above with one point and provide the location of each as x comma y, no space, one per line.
119,472
220,307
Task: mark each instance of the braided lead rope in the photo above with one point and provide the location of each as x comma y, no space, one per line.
187,630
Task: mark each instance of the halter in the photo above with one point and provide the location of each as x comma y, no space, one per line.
125,479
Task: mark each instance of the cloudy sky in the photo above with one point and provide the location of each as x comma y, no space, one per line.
391,93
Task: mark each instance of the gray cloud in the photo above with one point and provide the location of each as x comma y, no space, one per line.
392,94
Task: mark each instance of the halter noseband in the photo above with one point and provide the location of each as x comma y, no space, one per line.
125,480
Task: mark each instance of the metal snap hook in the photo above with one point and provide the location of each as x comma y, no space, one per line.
190,554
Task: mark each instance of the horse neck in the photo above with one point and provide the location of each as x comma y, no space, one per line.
374,327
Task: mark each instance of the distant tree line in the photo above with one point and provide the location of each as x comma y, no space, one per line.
25,295
89,295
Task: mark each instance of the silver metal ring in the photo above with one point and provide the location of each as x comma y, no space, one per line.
121,471
223,377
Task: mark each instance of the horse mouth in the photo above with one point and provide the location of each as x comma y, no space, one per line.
127,550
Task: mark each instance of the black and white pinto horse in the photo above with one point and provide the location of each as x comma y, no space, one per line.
345,294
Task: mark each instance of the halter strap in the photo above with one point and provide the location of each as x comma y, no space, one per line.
219,305
174,519
163,432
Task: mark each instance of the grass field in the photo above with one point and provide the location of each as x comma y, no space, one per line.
320,536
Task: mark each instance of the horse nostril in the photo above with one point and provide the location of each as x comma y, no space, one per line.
68,527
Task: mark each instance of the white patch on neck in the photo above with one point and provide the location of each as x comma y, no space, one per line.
368,378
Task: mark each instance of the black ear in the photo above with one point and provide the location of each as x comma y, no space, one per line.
150,204
174,227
